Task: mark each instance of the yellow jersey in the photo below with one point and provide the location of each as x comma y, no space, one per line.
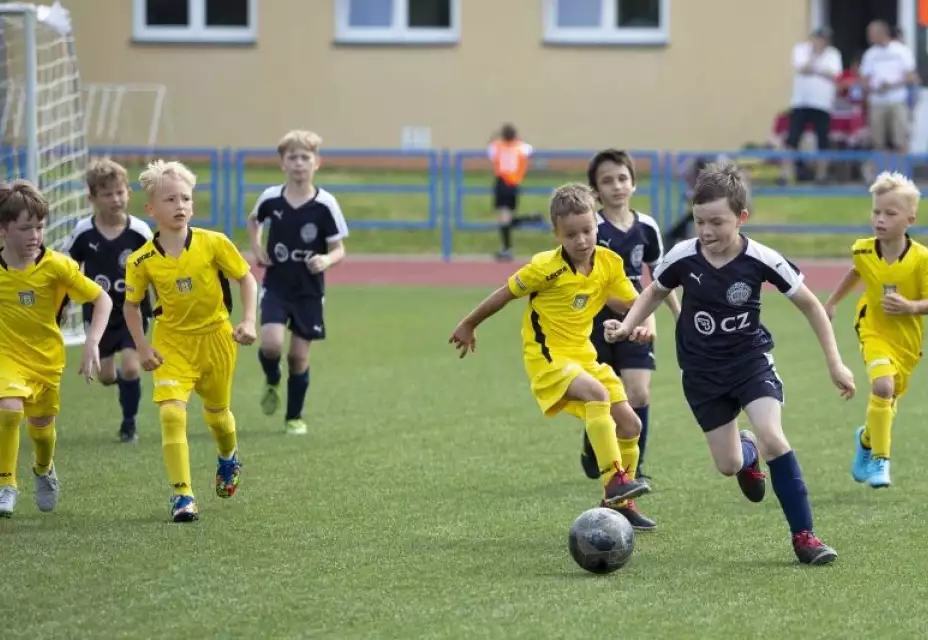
563,302
30,303
907,276
193,290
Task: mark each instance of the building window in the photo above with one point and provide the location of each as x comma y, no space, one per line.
183,21
621,22
397,21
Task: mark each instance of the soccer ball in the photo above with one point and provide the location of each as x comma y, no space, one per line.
601,540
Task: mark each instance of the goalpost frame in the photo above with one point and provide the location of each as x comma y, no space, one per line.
30,84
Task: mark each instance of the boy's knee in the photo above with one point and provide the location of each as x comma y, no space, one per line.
638,395
129,371
771,442
627,423
108,380
729,466
883,388
297,364
11,404
270,350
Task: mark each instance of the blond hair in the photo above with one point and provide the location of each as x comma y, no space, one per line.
895,182
299,139
152,178
571,199
103,171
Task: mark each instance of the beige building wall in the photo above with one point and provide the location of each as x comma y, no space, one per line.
718,84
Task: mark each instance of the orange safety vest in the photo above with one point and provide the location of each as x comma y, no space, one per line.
510,160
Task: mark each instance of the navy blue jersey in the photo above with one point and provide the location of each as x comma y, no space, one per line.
293,236
719,325
638,245
104,260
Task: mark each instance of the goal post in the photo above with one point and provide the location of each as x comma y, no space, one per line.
42,119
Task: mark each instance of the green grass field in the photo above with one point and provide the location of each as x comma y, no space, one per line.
431,500
768,210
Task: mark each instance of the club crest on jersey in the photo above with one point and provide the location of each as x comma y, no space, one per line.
124,258
738,294
637,256
580,301
27,298
888,289
184,285
309,232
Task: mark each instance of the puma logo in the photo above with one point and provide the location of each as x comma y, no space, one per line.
698,278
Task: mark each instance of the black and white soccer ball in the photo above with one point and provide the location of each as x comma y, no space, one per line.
601,540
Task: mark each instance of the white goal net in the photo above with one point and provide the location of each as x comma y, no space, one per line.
42,121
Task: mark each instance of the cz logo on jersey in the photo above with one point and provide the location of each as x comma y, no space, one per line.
184,285
27,298
580,301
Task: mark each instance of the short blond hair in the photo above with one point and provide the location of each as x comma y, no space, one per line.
152,178
103,171
299,139
895,182
574,198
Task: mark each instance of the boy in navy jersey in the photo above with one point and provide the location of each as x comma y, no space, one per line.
305,230
637,238
102,243
724,350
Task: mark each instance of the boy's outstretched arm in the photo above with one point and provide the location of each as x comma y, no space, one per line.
245,332
847,284
642,309
464,336
90,363
815,313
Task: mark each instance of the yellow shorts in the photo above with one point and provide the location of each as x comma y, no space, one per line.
551,379
884,361
204,363
41,395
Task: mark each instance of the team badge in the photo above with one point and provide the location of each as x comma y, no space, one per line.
124,258
580,301
184,285
738,294
888,289
309,232
281,253
27,298
637,256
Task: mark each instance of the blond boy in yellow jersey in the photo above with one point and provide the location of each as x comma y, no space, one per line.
566,288
888,318
194,346
33,284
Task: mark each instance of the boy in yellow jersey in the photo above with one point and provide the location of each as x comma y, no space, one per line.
894,270
566,288
193,344
33,284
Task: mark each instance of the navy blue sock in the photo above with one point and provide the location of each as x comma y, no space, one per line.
748,453
642,413
271,368
297,386
130,395
791,491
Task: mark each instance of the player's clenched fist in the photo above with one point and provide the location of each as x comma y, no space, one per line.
842,378
244,333
464,338
615,332
150,358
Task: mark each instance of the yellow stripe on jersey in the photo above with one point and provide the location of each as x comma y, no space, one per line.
193,291
30,303
562,302
907,276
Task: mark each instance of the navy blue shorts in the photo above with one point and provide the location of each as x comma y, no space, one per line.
717,397
624,354
117,338
303,316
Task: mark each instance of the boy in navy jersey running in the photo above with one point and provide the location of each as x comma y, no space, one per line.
724,350
102,243
305,231
637,239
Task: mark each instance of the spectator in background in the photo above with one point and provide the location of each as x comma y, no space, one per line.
509,155
816,66
888,69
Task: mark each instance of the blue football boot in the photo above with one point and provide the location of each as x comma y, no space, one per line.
860,469
879,473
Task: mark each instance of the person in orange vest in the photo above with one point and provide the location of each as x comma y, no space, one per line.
509,156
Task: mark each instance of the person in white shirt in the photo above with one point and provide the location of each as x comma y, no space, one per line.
888,69
817,66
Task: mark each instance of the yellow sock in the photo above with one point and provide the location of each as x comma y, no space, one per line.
630,453
879,425
9,445
600,427
43,441
175,449
222,426
865,438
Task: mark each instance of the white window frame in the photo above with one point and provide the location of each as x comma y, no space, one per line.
607,33
195,32
398,33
